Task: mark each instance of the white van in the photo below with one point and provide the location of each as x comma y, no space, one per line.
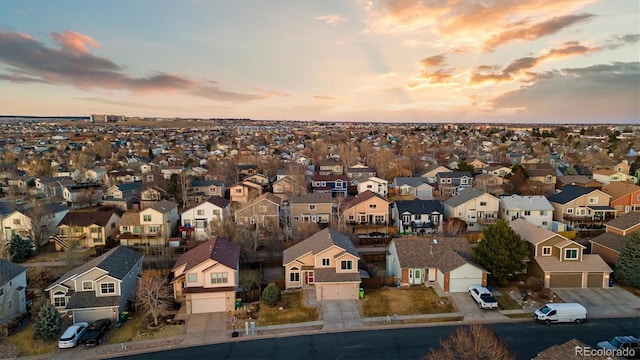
562,312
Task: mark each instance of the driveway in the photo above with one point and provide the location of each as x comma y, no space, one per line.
209,327
603,302
467,306
340,314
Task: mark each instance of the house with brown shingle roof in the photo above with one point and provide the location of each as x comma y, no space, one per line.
328,261
560,261
367,215
625,197
87,228
263,210
445,262
205,278
618,231
152,226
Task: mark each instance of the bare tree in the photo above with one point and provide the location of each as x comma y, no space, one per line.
154,296
40,222
477,342
303,230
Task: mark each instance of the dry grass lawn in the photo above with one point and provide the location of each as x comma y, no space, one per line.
27,346
505,302
404,301
134,330
294,311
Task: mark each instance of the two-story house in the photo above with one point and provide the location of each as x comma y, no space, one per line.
451,183
336,185
416,187
542,178
375,184
199,190
367,215
475,207
330,167
617,233
87,229
489,183
559,261
123,196
360,172
417,217
82,195
245,191
151,195
535,209
13,287
608,176
582,209
263,210
497,170
312,207
578,180
205,278
199,217
99,288
152,226
625,197
431,172
328,261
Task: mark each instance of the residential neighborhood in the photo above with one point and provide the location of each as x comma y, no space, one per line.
331,210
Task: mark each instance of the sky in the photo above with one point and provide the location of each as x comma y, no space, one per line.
516,61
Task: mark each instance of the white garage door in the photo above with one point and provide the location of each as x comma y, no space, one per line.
338,292
462,285
199,306
91,315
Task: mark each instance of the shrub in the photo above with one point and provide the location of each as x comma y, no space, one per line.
48,323
271,294
535,283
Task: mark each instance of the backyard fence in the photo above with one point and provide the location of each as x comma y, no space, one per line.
378,282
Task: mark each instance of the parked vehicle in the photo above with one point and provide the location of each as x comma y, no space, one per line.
563,312
622,346
483,297
95,332
72,335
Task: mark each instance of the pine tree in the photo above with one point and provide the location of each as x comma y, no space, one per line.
48,323
628,264
271,294
501,251
19,249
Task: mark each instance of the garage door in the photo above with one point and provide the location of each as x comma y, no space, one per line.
462,285
567,280
338,292
199,306
595,280
91,315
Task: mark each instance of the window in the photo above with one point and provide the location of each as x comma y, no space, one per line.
146,218
219,278
186,223
545,223
16,221
216,212
369,186
593,200
338,184
312,206
262,208
213,190
200,212
351,217
153,229
95,230
59,299
372,206
463,182
571,254
108,288
294,276
570,211
239,191
483,203
527,213
543,212
192,277
546,250
346,265
87,285
326,262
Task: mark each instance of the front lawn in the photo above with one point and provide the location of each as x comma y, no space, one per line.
26,345
404,301
293,311
505,302
135,329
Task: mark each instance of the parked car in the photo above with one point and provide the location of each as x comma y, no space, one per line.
622,346
72,335
483,297
562,312
95,332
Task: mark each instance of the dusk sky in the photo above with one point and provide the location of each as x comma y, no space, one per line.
512,61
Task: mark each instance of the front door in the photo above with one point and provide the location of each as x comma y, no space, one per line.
431,275
308,277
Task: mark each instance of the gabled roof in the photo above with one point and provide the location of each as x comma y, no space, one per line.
620,189
206,183
418,206
219,201
362,197
130,219
464,196
218,249
330,178
87,218
611,240
445,254
411,181
453,174
136,185
266,196
313,198
624,222
318,242
531,233
9,270
536,202
116,262
569,192
164,206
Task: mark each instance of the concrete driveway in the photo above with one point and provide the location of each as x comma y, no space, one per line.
602,303
340,314
206,327
467,306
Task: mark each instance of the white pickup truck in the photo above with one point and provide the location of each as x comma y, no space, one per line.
483,297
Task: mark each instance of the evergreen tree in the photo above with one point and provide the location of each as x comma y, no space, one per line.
19,249
628,264
501,251
48,323
271,294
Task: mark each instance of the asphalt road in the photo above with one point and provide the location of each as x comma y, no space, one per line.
525,339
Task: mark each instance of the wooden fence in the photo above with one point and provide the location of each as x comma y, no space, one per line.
249,296
474,237
378,282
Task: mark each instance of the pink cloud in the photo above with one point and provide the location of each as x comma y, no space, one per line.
74,41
